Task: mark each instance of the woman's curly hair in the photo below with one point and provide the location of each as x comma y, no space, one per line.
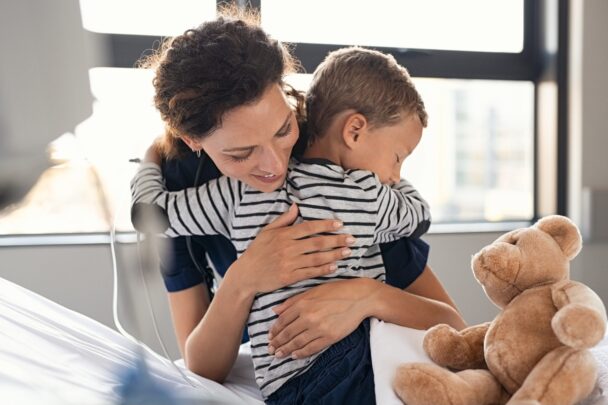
209,70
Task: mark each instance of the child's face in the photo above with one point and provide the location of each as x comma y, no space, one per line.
385,148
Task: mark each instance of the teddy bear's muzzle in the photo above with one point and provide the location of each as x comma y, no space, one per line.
496,268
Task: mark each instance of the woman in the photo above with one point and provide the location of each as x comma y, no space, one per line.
211,81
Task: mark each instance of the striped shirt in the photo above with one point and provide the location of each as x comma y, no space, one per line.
373,213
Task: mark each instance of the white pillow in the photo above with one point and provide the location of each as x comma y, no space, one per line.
391,346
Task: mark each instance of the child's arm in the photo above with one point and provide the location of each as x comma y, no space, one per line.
194,211
401,212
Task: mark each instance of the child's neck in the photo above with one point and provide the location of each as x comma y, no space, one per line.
324,148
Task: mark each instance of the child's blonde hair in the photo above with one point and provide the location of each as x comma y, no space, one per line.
367,81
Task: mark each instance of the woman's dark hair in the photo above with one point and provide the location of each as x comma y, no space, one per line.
209,70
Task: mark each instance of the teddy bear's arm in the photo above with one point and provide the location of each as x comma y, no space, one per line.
580,320
457,350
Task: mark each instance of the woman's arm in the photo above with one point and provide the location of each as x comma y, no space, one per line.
187,309
428,285
212,347
431,307
320,317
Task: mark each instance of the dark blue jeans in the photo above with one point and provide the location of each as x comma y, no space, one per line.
341,375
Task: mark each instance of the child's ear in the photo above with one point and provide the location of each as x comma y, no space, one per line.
355,126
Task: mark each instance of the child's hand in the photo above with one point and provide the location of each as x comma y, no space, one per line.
153,155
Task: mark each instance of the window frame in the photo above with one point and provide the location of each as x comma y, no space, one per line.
126,50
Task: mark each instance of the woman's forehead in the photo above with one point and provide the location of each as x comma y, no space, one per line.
253,123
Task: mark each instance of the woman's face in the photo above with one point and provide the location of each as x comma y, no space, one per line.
254,142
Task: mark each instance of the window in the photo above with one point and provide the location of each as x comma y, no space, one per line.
145,17
464,25
476,64
475,161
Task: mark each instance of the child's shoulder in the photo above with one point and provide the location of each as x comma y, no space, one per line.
326,172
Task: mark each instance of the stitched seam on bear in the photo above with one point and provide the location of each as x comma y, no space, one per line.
495,274
517,275
470,346
446,392
561,295
506,373
554,374
507,282
564,290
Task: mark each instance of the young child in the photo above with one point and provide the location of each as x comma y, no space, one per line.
364,118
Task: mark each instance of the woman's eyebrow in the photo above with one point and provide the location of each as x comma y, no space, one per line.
243,148
285,123
238,149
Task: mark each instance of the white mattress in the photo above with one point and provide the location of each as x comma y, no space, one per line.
52,355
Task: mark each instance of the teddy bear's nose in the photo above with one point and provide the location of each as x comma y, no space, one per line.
479,266
500,260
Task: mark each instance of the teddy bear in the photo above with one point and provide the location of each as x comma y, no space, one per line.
535,351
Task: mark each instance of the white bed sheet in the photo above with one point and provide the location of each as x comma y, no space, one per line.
393,345
52,355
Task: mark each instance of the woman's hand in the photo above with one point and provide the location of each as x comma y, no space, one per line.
282,254
317,318
321,316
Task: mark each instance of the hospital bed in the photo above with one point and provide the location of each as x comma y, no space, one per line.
52,355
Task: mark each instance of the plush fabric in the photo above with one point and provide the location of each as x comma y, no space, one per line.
536,350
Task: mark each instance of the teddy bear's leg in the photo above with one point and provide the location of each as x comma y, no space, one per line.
429,384
563,376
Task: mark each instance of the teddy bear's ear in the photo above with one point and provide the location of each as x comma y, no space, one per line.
565,233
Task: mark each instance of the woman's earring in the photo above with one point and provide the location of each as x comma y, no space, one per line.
198,153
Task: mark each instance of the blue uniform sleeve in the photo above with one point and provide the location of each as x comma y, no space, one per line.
179,272
176,266
404,260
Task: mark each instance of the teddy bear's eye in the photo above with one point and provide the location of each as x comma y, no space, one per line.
512,238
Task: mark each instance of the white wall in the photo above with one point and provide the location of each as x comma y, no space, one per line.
589,130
